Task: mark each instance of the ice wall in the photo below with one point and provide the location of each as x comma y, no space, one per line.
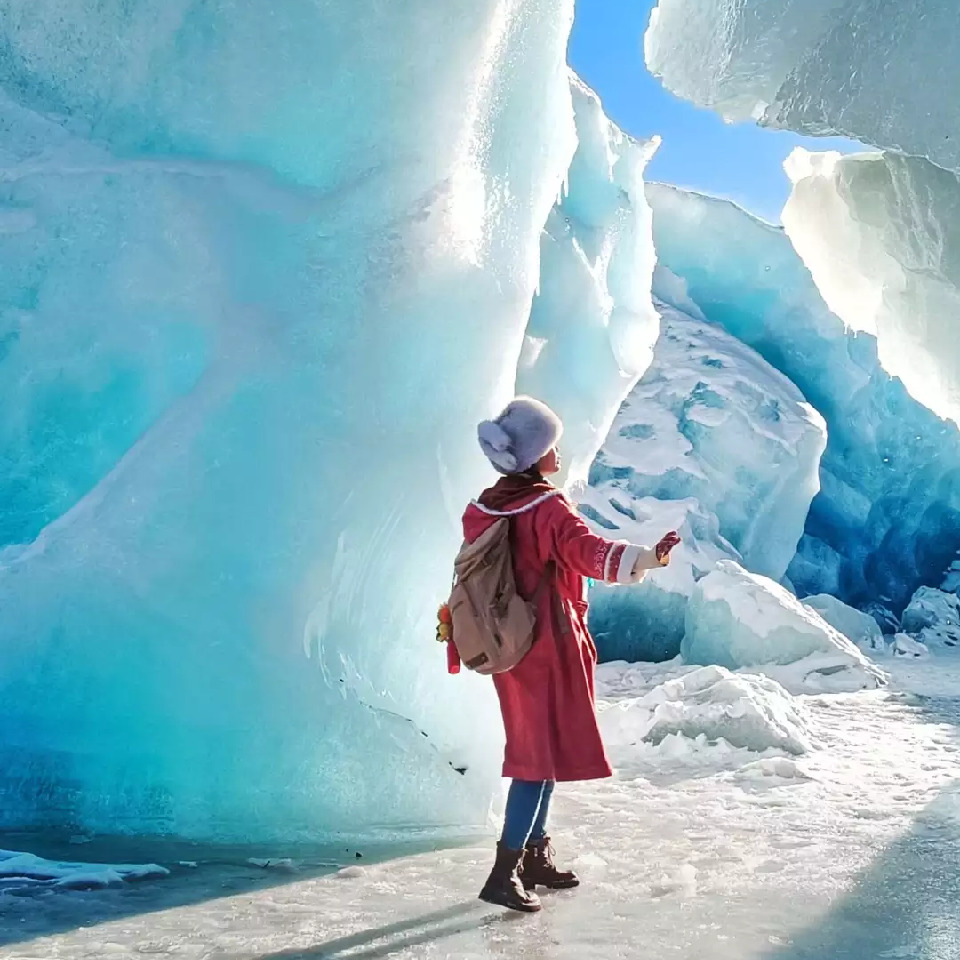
264,267
593,326
871,70
887,518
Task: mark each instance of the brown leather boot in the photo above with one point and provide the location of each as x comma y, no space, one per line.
503,886
538,867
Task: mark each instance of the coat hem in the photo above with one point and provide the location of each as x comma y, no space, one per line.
537,774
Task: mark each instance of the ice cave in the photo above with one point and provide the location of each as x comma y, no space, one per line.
264,271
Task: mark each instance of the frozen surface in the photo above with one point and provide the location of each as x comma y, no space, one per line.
887,518
592,325
855,625
849,851
739,619
262,274
865,69
881,235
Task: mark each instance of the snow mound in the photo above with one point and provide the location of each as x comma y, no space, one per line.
864,69
709,705
24,870
855,625
933,618
771,771
741,620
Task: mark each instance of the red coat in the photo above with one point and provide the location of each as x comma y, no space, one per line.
547,700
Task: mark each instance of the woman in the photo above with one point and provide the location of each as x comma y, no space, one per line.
547,700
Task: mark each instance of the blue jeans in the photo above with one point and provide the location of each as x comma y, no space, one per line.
528,806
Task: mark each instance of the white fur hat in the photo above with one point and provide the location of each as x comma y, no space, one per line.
520,436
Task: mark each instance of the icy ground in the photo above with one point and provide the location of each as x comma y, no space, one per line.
847,850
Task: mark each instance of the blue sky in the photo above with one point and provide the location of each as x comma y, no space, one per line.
699,151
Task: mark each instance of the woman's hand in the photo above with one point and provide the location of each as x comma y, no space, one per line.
664,547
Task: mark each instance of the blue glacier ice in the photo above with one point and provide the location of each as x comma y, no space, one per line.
887,517
712,442
263,271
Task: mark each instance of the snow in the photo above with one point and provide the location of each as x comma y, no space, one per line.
887,516
863,69
879,234
847,851
263,272
905,646
739,619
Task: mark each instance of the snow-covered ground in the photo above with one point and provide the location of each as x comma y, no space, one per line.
838,841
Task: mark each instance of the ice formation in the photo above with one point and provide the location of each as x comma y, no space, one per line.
263,272
887,517
878,231
855,625
881,236
864,69
592,326
739,619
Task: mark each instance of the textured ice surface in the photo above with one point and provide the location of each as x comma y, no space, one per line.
881,235
592,326
867,69
262,273
713,443
887,518
712,421
739,619
859,627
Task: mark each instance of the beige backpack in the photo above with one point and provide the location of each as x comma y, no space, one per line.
492,624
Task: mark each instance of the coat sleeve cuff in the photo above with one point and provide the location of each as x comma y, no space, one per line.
634,562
